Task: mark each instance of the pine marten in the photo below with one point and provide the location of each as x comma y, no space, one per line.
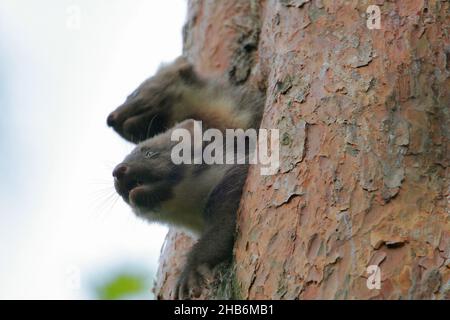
200,198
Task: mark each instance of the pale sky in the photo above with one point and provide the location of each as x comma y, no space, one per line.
58,82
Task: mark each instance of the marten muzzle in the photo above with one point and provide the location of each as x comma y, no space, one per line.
139,187
125,181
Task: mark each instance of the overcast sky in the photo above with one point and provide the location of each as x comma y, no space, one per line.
64,65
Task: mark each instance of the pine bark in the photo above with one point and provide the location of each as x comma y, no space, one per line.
364,122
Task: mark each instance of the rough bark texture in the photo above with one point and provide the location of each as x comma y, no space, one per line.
364,129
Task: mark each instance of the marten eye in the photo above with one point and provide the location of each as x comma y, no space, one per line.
150,154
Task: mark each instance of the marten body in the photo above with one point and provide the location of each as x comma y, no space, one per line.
202,199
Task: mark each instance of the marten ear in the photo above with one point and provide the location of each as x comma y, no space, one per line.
186,71
188,124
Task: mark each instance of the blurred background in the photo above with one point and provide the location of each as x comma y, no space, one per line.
64,65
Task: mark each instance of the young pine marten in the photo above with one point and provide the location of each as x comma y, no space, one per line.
197,197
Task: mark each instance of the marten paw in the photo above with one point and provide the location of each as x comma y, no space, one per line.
192,281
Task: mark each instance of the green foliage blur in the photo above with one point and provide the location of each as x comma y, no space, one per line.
124,284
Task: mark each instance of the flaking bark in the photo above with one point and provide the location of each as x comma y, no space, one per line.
364,130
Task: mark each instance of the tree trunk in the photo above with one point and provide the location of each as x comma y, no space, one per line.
363,116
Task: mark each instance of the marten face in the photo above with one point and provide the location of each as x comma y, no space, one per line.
146,178
148,110
161,191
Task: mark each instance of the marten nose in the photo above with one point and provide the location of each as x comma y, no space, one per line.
112,119
120,171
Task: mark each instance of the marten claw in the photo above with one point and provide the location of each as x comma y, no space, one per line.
190,284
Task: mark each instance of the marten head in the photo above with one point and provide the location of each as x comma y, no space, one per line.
147,176
148,110
159,190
